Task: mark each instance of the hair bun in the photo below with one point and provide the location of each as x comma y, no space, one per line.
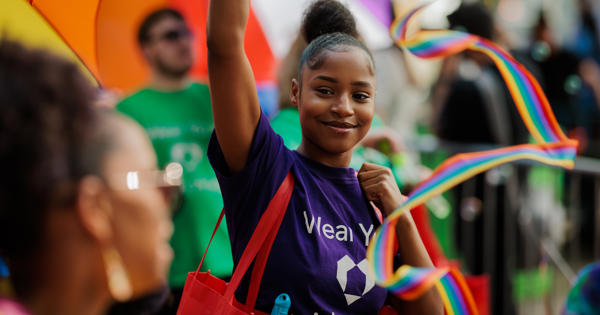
327,16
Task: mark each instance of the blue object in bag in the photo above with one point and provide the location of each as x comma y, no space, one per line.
282,305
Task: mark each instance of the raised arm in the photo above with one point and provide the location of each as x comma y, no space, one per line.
236,110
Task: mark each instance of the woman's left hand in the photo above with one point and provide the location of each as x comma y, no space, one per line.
380,187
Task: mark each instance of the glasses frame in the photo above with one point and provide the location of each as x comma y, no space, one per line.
168,180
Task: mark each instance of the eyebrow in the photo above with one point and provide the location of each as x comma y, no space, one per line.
326,78
333,80
362,83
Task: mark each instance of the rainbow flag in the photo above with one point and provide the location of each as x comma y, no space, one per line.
552,147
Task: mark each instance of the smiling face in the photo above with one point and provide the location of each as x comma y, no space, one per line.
336,102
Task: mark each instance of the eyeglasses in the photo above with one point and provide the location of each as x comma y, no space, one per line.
170,176
168,180
174,35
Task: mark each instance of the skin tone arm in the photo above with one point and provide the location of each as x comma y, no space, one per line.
380,187
235,104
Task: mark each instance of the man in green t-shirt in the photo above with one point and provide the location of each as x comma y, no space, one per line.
177,116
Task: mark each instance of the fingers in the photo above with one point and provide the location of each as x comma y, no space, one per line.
368,167
371,176
379,186
369,170
386,196
375,191
371,181
367,175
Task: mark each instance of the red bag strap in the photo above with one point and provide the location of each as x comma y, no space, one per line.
221,219
259,266
260,263
267,229
211,238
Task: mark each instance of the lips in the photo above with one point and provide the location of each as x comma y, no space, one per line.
340,124
340,127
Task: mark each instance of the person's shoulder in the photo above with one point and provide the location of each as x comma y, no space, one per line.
133,100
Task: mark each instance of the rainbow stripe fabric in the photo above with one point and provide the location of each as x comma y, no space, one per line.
552,147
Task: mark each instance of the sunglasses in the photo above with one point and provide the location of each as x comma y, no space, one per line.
175,35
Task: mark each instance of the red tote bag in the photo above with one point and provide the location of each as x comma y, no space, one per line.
204,293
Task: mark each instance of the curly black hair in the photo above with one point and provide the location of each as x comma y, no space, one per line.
50,137
328,26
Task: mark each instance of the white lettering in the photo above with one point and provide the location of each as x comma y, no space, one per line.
366,233
309,228
341,231
328,231
319,225
207,184
164,132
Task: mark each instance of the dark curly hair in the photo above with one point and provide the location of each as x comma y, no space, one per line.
328,26
50,137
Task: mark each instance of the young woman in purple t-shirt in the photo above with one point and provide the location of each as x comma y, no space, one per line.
318,257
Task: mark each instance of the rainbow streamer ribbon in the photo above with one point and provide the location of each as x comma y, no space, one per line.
552,147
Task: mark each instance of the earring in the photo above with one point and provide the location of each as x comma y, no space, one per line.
118,281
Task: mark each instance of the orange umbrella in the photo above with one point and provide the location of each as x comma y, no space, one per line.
103,34
19,22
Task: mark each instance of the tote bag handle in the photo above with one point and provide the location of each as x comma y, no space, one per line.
259,245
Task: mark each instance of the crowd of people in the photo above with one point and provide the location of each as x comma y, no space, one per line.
107,210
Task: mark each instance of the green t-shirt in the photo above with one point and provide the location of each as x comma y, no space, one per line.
180,124
287,124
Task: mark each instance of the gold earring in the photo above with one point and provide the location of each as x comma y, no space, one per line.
118,281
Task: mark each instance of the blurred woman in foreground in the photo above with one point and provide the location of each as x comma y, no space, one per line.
84,214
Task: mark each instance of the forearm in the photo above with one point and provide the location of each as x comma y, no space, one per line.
413,253
236,110
226,26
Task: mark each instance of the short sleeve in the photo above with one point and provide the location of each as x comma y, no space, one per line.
247,193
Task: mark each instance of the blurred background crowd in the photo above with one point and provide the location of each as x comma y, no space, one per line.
522,230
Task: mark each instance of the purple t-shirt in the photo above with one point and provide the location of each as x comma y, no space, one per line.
318,257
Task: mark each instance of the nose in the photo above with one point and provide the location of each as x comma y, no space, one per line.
343,106
172,198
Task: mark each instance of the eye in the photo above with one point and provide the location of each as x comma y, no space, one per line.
361,96
324,91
